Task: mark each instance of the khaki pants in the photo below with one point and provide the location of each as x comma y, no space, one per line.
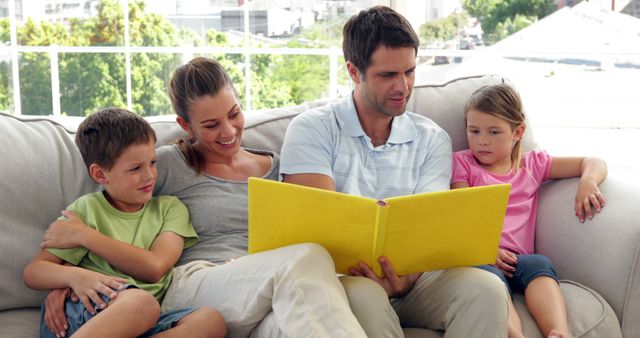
463,302
296,285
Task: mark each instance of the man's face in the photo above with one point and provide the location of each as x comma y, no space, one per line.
386,85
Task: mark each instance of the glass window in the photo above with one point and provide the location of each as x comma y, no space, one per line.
35,86
6,86
575,64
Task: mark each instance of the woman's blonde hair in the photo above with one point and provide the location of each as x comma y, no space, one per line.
503,102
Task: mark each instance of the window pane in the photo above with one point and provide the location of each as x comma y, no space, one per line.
282,80
301,24
70,23
150,74
6,84
91,81
35,83
187,23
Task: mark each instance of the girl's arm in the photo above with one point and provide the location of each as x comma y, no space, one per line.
145,265
45,271
459,185
592,171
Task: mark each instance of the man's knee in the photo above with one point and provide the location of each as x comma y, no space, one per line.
485,290
362,290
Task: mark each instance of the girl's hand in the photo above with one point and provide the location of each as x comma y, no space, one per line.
88,285
589,199
66,233
506,262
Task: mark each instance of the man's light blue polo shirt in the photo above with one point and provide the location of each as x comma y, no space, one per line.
330,140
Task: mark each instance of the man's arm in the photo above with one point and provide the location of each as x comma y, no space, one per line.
319,181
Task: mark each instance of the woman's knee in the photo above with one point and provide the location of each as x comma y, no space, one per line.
363,290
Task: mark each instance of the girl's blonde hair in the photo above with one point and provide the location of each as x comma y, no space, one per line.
501,101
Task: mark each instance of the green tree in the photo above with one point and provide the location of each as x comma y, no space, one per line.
492,13
443,29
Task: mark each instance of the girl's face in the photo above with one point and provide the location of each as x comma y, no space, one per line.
491,140
216,123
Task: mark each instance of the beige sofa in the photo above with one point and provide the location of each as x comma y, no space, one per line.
41,172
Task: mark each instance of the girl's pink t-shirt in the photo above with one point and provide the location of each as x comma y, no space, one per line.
518,231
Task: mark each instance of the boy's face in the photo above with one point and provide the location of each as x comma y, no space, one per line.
129,183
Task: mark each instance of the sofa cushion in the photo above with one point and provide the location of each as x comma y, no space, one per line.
42,172
589,315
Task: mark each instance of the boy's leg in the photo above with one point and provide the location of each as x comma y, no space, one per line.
297,282
201,323
463,302
130,314
542,294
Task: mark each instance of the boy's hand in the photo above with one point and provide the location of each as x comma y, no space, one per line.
506,262
589,199
54,315
88,285
394,285
66,233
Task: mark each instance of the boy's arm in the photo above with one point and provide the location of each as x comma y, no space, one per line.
592,171
144,265
45,271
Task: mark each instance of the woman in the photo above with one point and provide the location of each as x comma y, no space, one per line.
295,288
209,173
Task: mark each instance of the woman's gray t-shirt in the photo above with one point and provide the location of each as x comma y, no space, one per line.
218,207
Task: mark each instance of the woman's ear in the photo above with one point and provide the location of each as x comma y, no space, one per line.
97,173
185,126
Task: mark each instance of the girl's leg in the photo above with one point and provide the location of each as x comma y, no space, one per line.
546,304
202,323
130,314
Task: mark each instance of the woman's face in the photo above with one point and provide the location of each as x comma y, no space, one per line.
216,123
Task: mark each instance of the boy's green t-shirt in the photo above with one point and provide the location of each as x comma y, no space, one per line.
140,228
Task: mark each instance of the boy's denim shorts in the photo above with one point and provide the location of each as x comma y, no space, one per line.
528,268
77,315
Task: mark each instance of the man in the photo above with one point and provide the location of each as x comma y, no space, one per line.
369,145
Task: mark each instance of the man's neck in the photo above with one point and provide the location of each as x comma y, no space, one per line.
375,124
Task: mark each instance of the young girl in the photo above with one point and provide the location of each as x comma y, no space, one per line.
495,126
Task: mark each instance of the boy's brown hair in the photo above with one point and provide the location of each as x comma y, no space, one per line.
104,135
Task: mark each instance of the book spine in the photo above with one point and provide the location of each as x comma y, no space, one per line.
380,233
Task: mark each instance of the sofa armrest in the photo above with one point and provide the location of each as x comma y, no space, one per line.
601,253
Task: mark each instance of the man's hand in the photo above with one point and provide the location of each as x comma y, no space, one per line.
65,233
54,315
506,262
394,285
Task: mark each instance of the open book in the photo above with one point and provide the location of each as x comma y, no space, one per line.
421,232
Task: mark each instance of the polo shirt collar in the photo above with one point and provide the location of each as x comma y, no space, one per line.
403,129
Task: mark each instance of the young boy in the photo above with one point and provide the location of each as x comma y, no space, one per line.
116,248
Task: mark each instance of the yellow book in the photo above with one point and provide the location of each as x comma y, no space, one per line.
421,232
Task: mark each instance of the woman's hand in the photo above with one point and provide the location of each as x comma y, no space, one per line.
589,199
54,315
65,233
506,262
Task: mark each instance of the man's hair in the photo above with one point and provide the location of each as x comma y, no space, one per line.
104,135
364,32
